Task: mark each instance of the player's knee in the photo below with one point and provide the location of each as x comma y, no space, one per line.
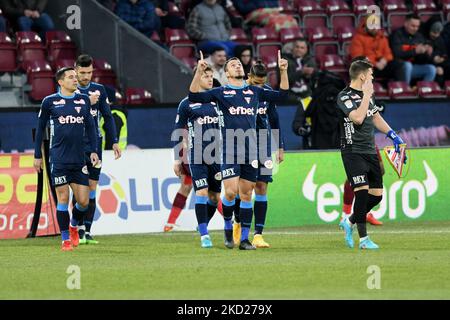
366,187
202,192
83,202
214,196
376,192
230,194
261,188
185,189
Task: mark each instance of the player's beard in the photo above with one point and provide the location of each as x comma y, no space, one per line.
239,77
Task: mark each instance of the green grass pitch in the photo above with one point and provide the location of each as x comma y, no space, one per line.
304,263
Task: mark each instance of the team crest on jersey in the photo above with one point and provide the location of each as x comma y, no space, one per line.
348,104
248,99
59,102
247,91
78,109
255,164
268,164
81,101
218,176
85,170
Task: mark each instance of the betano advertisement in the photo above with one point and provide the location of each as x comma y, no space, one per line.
135,193
18,184
308,189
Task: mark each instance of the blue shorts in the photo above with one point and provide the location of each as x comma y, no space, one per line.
265,172
244,171
65,174
206,176
94,172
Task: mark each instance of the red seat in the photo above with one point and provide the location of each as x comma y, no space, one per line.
139,96
191,62
360,7
401,90
339,14
120,99
238,35
287,7
41,78
312,14
179,43
344,36
395,12
323,41
270,61
447,87
332,62
430,89
60,46
264,35
380,91
425,9
61,63
268,50
8,52
30,47
155,37
103,73
290,34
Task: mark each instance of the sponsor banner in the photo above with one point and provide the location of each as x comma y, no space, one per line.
135,194
18,184
308,189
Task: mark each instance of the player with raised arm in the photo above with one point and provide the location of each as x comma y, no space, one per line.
238,103
202,119
99,108
358,117
267,120
69,116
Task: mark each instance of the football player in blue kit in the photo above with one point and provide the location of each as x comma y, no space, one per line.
69,115
238,103
201,120
267,122
99,108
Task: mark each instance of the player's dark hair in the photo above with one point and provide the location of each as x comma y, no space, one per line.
59,75
225,67
258,69
360,58
84,61
208,68
412,16
216,49
359,66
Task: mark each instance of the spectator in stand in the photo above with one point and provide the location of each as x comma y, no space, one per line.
140,14
29,15
217,61
433,33
301,68
210,26
167,20
410,46
371,42
245,54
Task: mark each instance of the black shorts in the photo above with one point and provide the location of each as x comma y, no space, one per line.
94,172
206,176
362,170
66,174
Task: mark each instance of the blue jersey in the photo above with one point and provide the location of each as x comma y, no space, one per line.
267,119
69,118
101,108
200,118
239,109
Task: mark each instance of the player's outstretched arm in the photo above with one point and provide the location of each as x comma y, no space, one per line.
110,125
91,133
201,66
44,116
284,79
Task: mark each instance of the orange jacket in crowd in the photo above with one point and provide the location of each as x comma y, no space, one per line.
373,47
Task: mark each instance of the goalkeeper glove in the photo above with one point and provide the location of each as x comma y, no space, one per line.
396,139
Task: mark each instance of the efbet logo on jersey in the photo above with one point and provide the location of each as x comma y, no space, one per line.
111,198
208,120
241,111
70,119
